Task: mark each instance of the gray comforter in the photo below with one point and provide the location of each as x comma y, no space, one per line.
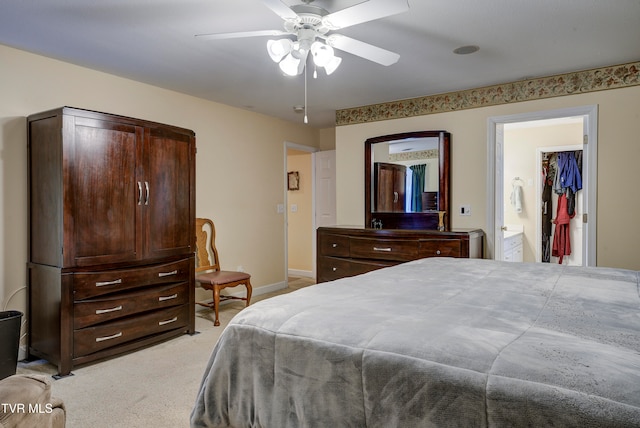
434,342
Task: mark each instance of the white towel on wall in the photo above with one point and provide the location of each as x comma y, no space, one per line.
516,198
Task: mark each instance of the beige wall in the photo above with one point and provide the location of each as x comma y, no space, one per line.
300,223
618,204
239,165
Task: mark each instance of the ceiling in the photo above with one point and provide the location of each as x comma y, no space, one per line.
153,41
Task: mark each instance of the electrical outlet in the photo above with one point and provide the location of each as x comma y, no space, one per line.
280,208
465,209
240,268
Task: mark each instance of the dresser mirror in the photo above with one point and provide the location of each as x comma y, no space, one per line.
407,180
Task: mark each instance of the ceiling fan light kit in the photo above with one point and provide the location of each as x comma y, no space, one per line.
310,25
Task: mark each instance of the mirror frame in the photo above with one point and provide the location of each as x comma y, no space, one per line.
403,220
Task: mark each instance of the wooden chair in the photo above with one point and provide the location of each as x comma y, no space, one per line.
208,273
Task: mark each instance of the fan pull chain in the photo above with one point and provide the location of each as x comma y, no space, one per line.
305,95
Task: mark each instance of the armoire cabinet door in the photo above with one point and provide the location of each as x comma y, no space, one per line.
169,183
102,218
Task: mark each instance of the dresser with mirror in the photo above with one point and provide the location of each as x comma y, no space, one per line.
407,210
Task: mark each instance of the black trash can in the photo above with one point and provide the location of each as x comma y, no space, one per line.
9,341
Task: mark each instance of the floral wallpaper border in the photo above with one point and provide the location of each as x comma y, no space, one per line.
599,79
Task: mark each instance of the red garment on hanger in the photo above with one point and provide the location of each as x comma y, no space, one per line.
561,236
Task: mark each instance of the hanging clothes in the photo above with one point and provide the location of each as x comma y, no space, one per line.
561,236
547,208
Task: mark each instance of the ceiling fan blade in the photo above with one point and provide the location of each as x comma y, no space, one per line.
241,34
364,12
362,49
281,9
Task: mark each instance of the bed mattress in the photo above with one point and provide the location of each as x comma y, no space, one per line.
434,342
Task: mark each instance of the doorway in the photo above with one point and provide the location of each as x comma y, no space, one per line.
299,210
498,181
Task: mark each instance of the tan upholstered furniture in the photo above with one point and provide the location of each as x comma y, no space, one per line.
26,401
208,273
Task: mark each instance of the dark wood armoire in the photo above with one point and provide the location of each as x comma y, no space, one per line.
111,234
390,187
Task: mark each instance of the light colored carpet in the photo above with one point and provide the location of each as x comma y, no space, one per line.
152,387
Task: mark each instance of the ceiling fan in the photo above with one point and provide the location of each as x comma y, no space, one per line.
306,31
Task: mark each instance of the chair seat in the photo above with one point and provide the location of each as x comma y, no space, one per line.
221,277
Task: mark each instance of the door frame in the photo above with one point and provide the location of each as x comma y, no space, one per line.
495,174
294,146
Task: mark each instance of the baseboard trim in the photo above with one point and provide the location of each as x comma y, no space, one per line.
300,273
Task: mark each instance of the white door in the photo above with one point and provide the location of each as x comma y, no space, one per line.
325,164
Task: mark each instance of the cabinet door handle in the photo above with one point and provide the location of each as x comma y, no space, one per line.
163,274
174,319
387,249
163,298
139,193
103,283
146,186
395,197
105,311
438,252
102,339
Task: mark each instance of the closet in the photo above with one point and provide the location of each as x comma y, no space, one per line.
111,242
561,225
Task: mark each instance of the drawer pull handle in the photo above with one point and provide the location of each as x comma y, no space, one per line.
387,249
103,283
173,272
106,311
438,252
163,298
334,245
334,269
102,339
174,319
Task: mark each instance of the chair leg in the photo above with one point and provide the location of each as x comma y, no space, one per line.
216,304
249,290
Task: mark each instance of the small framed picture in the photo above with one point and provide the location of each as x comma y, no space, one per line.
294,180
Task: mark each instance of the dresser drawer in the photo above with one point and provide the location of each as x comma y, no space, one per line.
333,245
87,285
440,248
108,308
330,268
384,249
93,339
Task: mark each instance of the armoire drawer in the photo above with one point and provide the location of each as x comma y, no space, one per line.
108,308
93,339
334,245
87,285
440,248
383,249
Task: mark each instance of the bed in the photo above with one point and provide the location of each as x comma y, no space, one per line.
434,342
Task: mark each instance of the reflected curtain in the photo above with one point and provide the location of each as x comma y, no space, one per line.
417,186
